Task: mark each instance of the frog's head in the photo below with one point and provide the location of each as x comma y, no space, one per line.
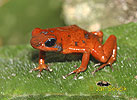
44,40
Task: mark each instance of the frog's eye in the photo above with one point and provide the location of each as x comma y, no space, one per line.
50,42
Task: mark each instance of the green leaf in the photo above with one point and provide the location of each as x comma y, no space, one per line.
18,83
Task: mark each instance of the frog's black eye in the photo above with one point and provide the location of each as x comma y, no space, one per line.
50,42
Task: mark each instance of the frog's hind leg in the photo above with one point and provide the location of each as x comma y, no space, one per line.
109,46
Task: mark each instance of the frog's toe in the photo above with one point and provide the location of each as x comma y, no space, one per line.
50,69
77,71
31,71
34,69
64,77
97,64
93,73
102,66
41,67
39,75
75,77
111,67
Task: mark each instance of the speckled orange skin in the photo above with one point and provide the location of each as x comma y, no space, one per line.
73,39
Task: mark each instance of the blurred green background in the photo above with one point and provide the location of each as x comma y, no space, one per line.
19,17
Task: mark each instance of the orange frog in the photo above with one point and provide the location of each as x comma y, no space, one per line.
73,39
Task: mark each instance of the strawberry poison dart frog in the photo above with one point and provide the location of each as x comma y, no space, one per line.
73,39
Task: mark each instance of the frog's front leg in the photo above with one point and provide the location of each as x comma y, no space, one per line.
85,58
42,66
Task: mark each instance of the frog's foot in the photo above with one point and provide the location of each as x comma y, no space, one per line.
97,64
102,66
77,71
41,67
111,60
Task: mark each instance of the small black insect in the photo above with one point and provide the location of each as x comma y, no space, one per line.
103,83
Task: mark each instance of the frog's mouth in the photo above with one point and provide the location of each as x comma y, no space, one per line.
35,43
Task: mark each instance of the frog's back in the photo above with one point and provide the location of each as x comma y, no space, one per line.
71,35
72,31
74,36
